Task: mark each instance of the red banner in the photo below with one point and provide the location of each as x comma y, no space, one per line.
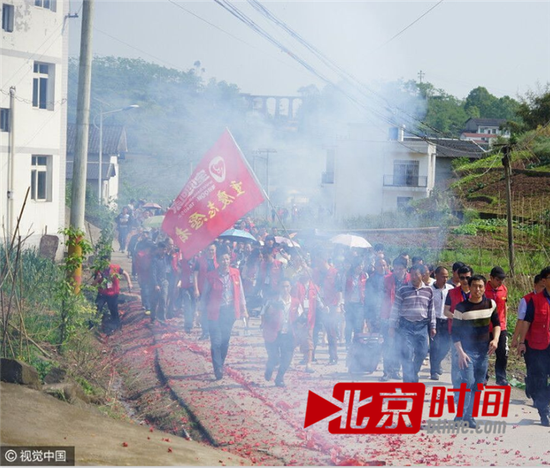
220,191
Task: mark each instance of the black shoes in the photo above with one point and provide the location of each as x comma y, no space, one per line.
544,420
434,377
268,374
218,373
384,378
503,383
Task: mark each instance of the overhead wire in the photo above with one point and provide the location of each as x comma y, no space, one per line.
363,106
344,74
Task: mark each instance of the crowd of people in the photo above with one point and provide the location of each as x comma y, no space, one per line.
329,293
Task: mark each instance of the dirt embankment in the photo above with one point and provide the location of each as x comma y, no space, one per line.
30,417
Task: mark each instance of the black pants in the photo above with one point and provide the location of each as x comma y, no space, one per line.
439,346
112,304
220,334
501,356
539,368
354,320
279,352
159,300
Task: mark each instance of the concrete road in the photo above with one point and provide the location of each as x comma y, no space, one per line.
250,417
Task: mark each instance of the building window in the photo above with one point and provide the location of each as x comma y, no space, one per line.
40,175
405,173
48,4
7,17
42,86
4,120
403,203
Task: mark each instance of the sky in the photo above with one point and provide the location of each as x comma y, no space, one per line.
458,45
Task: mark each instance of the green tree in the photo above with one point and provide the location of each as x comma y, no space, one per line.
481,99
533,110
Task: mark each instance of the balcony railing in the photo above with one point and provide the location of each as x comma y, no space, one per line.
327,178
392,180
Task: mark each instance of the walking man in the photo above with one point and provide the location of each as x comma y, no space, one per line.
224,302
413,317
536,330
471,338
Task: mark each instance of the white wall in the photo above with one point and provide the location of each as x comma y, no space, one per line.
360,166
39,35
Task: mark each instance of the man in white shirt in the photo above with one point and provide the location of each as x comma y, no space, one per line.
441,343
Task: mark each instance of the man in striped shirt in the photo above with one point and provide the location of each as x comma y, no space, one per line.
470,334
413,317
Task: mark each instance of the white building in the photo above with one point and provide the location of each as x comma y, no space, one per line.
33,53
483,131
367,174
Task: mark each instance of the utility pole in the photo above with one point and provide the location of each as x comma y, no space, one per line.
421,75
78,204
508,177
267,152
11,167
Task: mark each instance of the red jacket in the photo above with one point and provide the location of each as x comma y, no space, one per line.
311,296
389,294
214,299
328,282
110,285
538,336
272,321
348,291
500,296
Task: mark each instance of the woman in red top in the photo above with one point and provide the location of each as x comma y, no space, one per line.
278,330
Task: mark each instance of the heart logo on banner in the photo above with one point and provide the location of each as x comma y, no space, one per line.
217,169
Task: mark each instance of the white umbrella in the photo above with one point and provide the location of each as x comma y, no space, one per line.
287,242
350,240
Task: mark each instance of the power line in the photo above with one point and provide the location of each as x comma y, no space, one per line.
407,27
347,77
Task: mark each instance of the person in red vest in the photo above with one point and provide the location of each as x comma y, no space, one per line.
270,274
206,263
108,289
536,330
278,324
392,283
517,338
354,299
327,278
223,300
454,297
496,290
308,294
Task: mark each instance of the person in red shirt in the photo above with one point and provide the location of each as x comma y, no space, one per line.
496,290
308,294
108,290
354,300
224,302
328,280
206,263
270,274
